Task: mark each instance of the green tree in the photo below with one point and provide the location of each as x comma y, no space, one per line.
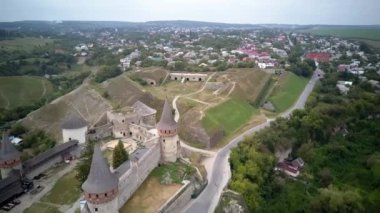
119,156
334,200
84,164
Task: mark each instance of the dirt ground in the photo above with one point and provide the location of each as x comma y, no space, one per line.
150,196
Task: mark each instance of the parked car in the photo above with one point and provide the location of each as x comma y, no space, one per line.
16,202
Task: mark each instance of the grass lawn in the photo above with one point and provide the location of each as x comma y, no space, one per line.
17,91
230,115
287,91
65,190
40,207
27,43
371,33
176,171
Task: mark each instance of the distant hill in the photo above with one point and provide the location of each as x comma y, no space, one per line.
56,25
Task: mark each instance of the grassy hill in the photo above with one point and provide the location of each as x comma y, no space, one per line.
237,109
363,33
87,101
83,101
17,91
27,43
229,115
287,90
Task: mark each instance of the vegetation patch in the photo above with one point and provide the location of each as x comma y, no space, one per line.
26,44
41,207
372,34
18,91
287,91
172,172
229,115
65,190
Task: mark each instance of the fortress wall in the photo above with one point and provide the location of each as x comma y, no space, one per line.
179,200
139,171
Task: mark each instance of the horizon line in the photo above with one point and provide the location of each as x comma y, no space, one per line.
183,20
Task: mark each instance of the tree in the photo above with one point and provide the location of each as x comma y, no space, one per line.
84,165
334,200
119,156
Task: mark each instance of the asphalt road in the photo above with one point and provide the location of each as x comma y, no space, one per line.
208,199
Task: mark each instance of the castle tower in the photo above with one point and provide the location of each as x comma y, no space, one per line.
167,129
101,187
10,157
74,128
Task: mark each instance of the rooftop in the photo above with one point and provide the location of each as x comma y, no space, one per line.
143,109
100,179
74,122
167,118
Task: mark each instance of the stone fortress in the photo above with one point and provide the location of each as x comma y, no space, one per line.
106,190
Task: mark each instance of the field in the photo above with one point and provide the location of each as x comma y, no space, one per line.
18,91
287,90
230,115
27,43
371,34
149,196
65,190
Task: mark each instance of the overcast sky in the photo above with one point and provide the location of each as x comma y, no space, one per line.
347,12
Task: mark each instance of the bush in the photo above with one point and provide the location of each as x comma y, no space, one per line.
107,72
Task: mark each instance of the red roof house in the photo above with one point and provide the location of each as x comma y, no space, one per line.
320,57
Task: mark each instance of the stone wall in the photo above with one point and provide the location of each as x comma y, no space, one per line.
137,173
100,132
179,200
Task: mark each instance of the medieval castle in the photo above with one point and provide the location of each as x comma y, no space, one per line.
106,189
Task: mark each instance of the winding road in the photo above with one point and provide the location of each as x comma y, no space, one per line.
220,174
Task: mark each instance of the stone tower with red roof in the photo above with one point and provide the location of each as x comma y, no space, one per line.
167,130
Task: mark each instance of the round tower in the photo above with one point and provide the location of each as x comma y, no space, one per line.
10,157
101,187
74,128
167,129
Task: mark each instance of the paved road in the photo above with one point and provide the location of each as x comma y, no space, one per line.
208,199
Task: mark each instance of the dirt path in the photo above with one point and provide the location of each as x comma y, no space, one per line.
176,117
199,101
44,89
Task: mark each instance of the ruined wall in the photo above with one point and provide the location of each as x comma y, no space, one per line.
100,132
179,200
137,173
149,120
139,133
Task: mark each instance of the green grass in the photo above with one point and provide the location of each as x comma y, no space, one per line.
40,207
177,171
65,190
372,33
286,93
18,91
230,115
27,43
